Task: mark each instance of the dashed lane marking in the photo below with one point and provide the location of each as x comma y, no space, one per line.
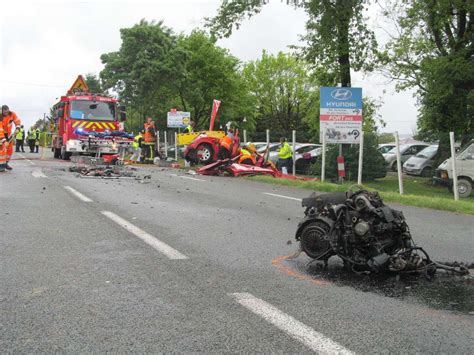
37,173
187,177
78,194
314,340
282,196
28,160
155,243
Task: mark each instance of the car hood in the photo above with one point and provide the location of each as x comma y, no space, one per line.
416,161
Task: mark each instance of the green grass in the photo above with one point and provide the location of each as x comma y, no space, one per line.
417,192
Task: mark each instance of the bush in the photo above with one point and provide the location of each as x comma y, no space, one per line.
373,161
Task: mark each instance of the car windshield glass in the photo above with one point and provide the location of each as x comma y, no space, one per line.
93,111
428,152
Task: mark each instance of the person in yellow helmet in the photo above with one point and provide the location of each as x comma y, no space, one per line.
248,155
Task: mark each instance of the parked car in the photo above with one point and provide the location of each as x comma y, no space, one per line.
406,151
464,171
421,164
305,156
386,147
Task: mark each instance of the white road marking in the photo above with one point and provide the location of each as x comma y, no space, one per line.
78,194
37,173
282,196
294,328
163,248
187,177
28,160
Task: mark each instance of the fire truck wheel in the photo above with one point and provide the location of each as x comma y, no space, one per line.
57,153
65,155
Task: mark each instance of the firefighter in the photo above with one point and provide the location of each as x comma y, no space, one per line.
20,139
31,139
285,157
137,148
248,155
149,140
225,145
8,119
37,139
190,127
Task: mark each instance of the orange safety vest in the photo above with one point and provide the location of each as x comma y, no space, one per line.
8,121
149,136
245,154
226,143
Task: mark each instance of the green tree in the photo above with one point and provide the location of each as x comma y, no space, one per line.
433,53
337,35
209,72
285,96
93,82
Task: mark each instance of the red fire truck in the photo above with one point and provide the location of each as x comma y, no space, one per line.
87,123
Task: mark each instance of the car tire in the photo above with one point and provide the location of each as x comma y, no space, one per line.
206,155
464,188
426,172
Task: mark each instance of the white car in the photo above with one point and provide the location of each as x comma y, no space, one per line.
406,151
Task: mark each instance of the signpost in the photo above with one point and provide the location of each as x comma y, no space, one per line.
178,119
340,116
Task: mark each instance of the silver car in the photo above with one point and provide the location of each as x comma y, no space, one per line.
421,164
406,151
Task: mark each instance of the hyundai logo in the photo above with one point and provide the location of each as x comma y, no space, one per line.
341,94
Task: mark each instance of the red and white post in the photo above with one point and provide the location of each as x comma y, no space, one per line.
340,167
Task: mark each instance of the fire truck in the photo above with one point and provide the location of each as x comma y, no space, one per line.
87,123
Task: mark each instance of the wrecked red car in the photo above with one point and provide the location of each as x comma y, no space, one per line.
205,149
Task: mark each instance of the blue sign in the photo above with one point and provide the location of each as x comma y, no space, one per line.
340,98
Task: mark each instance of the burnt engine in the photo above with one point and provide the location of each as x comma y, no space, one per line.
359,228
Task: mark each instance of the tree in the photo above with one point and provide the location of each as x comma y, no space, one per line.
432,52
209,72
286,97
93,82
337,36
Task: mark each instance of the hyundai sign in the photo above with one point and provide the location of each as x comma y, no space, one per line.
341,114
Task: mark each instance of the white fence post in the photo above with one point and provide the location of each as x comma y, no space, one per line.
361,157
268,136
453,164
175,146
166,144
399,165
245,136
294,146
323,159
158,142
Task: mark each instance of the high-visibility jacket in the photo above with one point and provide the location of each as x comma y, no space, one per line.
189,129
20,135
285,151
8,122
245,155
227,142
137,141
149,136
32,134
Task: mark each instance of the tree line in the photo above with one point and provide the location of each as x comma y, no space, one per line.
430,49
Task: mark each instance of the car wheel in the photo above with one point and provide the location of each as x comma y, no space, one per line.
464,188
205,153
426,172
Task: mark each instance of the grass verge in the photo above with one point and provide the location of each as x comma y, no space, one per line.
417,192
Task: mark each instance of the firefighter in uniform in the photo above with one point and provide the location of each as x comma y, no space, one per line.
137,148
31,139
248,155
225,145
6,139
149,141
20,138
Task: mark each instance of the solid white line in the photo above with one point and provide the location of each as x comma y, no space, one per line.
187,177
281,196
37,173
294,328
78,194
28,160
163,248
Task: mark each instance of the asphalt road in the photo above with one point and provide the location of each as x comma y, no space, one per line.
187,263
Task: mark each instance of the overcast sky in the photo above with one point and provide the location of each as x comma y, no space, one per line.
44,45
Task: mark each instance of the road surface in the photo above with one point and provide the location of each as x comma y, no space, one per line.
187,263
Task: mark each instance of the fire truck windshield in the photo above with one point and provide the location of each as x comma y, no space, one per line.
89,110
